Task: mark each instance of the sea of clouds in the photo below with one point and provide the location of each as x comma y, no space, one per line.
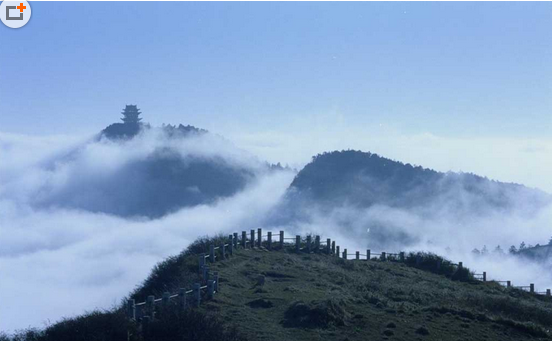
58,262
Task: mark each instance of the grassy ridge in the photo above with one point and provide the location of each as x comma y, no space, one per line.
282,295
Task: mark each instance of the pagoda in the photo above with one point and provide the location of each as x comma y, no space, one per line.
131,113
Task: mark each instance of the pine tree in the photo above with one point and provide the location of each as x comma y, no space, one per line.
522,246
131,113
498,250
484,250
512,250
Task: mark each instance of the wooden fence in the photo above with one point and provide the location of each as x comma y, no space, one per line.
209,286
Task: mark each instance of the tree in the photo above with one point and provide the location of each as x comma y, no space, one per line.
522,246
498,250
476,252
512,250
131,113
484,250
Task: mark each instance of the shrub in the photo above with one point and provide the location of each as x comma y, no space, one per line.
433,263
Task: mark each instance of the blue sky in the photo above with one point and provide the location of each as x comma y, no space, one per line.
255,72
444,68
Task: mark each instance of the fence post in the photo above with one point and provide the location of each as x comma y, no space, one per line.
197,294
508,284
439,263
165,302
182,298
131,309
309,239
269,240
401,256
145,325
383,256
244,239
201,262
316,244
205,273
212,253
532,288
149,306
210,289
460,265
216,279
252,239
368,256
328,246
297,243
260,237
484,276
281,239
337,251
333,247
235,240
548,292
344,253
223,251
358,255
230,245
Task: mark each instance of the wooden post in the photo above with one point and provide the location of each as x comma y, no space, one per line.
212,253
197,294
309,239
205,273
337,251
368,256
244,239
230,245
150,309
333,247
201,262
401,256
236,240
358,255
344,253
165,302
166,298
297,243
252,239
216,279
508,284
484,276
548,292
145,325
439,263
223,251
131,309
460,265
328,246
269,240
210,289
281,239
383,256
316,244
182,298
532,288
259,237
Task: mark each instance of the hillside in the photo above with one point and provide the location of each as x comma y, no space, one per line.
364,179
275,295
154,171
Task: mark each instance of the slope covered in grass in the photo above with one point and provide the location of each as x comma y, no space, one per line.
283,295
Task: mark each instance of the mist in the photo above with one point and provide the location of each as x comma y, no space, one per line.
59,261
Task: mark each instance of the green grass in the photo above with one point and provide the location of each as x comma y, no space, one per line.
281,295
